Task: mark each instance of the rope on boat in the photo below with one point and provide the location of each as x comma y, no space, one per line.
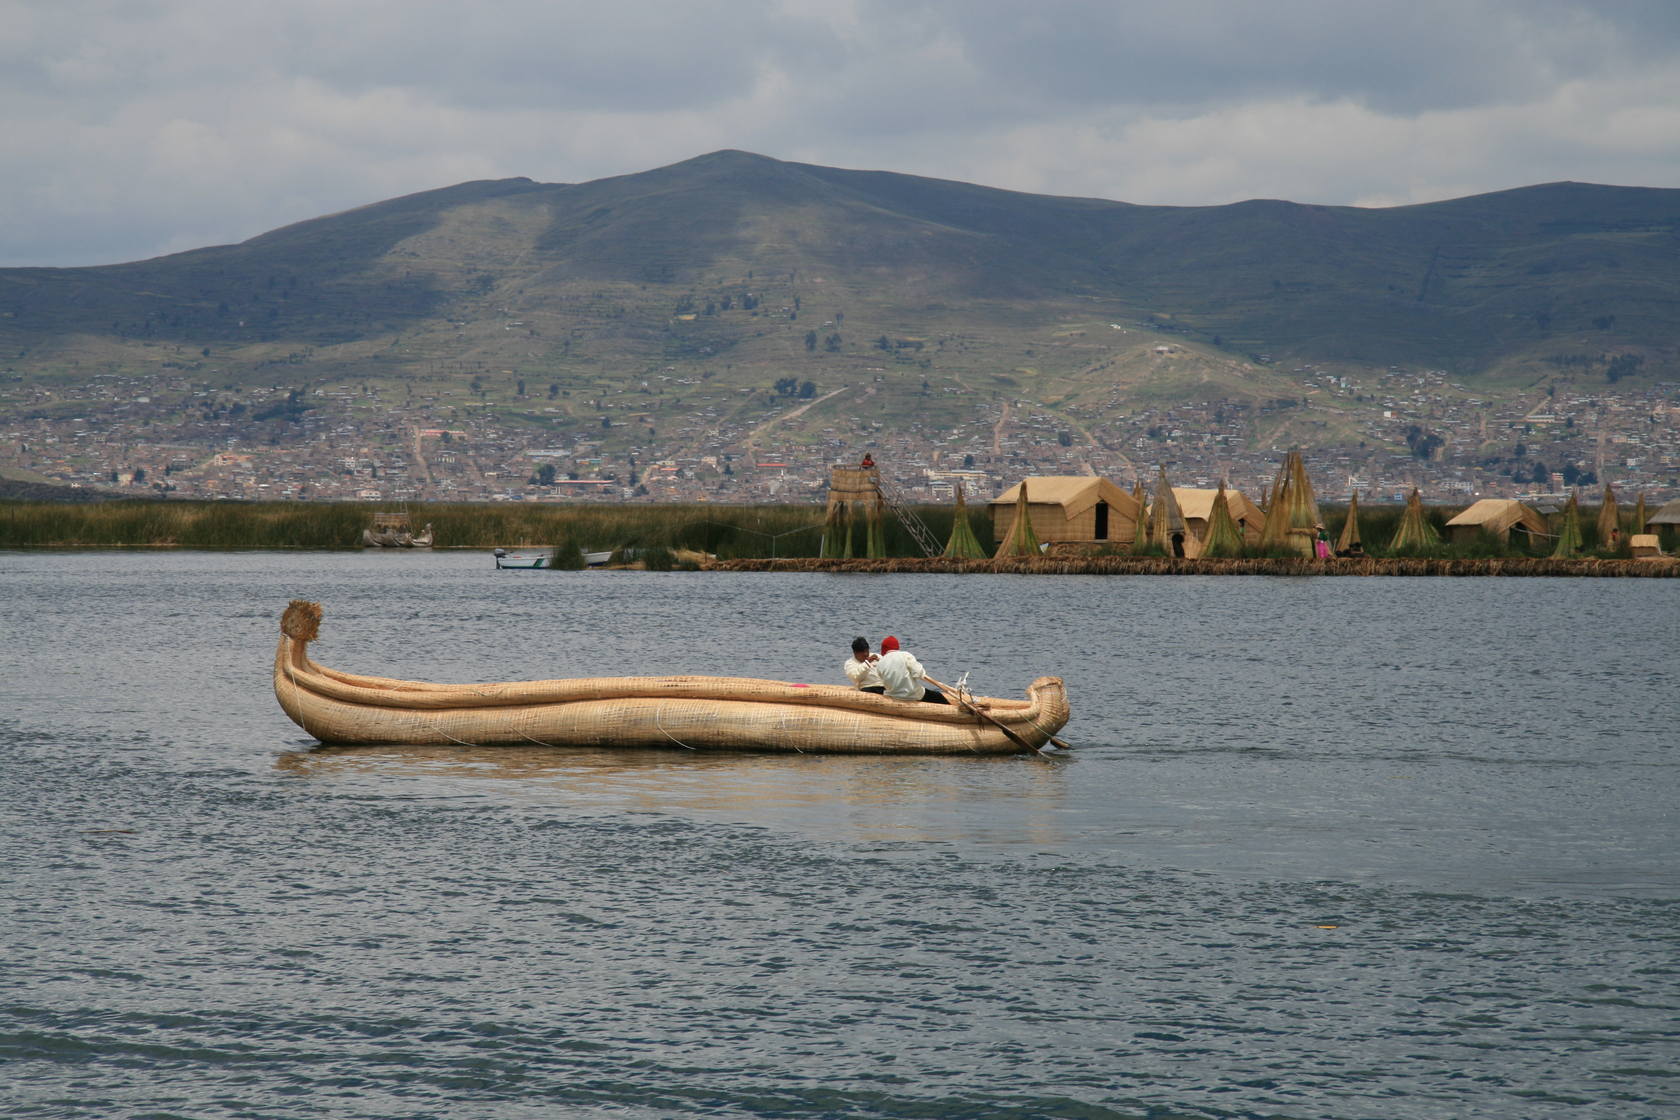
452,738
656,714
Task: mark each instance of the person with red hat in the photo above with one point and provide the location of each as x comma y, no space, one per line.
903,675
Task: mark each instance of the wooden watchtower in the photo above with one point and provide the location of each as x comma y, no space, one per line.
854,494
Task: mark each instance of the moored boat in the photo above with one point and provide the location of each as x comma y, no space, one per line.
392,529
693,712
543,558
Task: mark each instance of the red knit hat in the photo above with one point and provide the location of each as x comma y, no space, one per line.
888,644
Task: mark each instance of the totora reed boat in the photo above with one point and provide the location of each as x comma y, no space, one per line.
698,713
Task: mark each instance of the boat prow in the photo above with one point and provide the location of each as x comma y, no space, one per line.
692,712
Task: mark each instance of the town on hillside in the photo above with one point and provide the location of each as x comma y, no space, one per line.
184,436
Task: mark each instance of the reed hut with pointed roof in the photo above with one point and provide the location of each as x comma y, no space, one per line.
1500,518
1021,540
1223,537
1292,519
1609,525
1085,509
1348,544
1569,534
1167,527
1197,507
1415,533
963,544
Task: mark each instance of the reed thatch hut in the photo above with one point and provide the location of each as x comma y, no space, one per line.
1666,521
1197,507
1499,518
1645,546
1085,509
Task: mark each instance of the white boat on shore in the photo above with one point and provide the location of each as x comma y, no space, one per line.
543,558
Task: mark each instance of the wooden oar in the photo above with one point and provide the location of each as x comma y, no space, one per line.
988,717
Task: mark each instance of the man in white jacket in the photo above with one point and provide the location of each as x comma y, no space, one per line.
860,668
902,674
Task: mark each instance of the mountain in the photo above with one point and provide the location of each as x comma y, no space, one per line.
1465,285
736,309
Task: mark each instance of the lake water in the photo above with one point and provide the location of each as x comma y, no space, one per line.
1326,848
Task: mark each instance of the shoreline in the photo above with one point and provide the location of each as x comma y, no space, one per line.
1664,568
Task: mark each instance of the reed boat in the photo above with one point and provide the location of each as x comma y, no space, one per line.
693,712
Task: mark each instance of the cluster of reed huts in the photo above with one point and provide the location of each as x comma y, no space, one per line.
1062,513
1073,515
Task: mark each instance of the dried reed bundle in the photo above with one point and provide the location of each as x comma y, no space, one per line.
1021,541
301,621
1224,538
1415,533
1349,539
963,542
1609,518
1569,535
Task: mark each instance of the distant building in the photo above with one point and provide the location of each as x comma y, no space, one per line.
1085,509
1498,517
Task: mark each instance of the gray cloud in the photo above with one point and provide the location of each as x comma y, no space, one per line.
157,125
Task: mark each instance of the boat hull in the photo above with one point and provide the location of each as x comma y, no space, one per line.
545,559
692,712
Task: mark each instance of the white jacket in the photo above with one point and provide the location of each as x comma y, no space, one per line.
902,674
862,674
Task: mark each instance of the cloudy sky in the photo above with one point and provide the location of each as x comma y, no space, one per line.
132,128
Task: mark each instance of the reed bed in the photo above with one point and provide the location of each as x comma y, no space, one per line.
198,525
738,532
724,531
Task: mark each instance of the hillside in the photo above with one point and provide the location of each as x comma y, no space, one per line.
1465,285
738,307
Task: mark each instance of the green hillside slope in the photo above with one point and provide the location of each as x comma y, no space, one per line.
1465,285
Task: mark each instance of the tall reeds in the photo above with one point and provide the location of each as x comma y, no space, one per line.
727,531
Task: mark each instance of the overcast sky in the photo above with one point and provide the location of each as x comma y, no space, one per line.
131,128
